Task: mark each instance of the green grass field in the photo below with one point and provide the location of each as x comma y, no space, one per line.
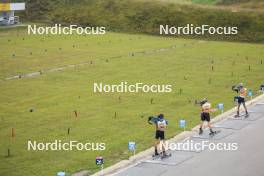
205,2
250,5
186,64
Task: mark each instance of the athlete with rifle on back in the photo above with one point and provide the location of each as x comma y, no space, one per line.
205,116
160,125
242,91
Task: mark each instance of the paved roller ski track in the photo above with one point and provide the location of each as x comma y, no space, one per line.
246,161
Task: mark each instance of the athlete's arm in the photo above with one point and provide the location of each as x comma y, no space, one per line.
213,110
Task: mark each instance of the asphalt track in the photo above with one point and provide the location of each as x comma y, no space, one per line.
247,160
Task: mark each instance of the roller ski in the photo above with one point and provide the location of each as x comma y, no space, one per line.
160,125
161,155
156,155
166,155
239,116
213,133
241,99
205,116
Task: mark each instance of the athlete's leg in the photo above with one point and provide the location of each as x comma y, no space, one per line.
244,104
157,142
208,120
210,127
201,127
238,107
162,141
201,124
163,145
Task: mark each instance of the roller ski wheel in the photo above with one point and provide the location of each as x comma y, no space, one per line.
247,115
212,133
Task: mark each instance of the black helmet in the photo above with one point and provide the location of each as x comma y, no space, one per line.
161,116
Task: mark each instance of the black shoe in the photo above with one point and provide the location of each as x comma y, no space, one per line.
155,155
236,116
212,133
200,131
247,115
165,155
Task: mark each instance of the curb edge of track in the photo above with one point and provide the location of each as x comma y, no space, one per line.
134,160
